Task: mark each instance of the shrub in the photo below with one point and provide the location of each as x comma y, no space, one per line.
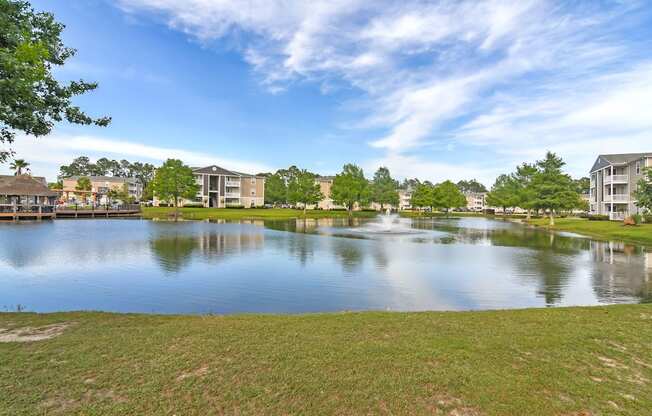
637,219
598,217
647,218
235,206
193,205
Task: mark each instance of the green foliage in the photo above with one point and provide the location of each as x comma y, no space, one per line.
83,184
384,188
447,195
524,177
598,217
32,100
276,191
643,192
422,195
553,189
505,193
582,185
55,185
174,181
637,218
82,166
471,186
18,165
350,187
303,189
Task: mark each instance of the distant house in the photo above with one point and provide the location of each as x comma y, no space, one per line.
26,194
405,199
100,187
613,180
476,201
221,188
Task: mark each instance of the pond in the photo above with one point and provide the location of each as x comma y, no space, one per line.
297,266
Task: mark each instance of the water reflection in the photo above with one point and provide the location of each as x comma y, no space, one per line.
311,265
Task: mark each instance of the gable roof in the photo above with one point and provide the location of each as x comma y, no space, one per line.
24,185
118,179
214,170
617,159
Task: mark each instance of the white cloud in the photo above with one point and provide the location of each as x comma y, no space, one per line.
46,154
530,75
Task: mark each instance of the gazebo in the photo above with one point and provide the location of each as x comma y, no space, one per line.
26,195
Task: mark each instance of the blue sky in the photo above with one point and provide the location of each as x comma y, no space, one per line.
435,90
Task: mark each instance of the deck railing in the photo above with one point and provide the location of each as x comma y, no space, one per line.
27,208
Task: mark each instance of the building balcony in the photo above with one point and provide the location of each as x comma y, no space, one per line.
617,198
232,194
616,179
233,184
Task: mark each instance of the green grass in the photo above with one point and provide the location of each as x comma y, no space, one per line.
250,213
606,230
566,361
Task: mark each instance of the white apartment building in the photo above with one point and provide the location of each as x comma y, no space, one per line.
614,178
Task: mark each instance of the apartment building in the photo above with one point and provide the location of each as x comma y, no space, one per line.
404,199
476,201
100,187
614,178
325,184
221,188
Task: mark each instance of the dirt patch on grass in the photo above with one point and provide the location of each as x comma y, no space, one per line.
30,334
201,371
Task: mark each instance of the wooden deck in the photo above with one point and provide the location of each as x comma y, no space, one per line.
51,212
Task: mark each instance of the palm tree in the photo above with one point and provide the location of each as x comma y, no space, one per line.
18,165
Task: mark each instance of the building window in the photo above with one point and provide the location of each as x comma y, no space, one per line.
253,193
638,168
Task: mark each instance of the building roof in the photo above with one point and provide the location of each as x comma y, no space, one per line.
325,178
249,175
215,170
617,159
24,185
104,179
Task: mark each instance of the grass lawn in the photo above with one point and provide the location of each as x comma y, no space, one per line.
250,213
607,230
566,361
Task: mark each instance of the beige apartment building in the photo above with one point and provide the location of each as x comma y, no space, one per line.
476,201
614,178
222,188
100,187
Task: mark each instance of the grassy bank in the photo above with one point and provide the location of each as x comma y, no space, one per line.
250,213
577,361
605,230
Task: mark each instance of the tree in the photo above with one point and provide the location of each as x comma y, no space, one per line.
303,189
504,193
18,165
83,185
32,99
447,195
174,181
79,167
422,195
384,188
582,185
276,191
409,184
58,185
523,177
471,186
350,187
552,189
643,192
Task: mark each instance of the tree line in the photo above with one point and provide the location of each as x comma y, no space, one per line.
540,187
350,188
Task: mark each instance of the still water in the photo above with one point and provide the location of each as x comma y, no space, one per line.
312,266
